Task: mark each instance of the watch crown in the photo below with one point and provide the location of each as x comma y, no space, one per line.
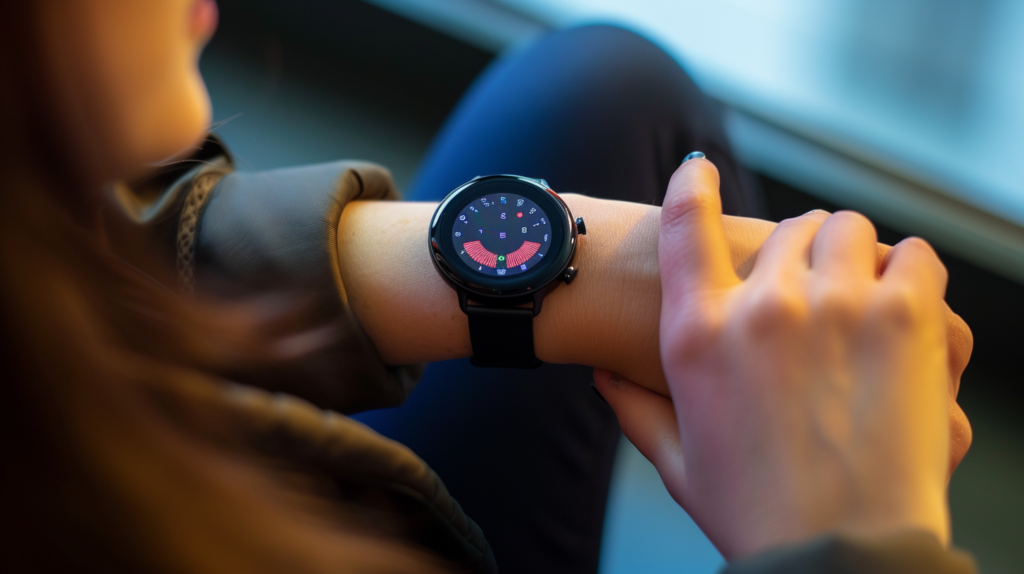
570,275
581,227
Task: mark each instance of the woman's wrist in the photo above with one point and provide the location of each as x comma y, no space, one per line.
608,317
409,312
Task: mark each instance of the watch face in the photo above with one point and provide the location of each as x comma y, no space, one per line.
501,234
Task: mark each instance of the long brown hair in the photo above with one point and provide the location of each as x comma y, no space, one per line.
97,476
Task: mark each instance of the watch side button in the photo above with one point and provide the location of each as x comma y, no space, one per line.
581,227
570,275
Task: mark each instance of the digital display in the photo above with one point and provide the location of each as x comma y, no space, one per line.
501,234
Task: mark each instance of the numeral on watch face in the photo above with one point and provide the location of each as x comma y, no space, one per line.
496,249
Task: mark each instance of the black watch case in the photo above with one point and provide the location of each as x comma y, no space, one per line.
531,285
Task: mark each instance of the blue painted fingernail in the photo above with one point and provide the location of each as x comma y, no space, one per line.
694,155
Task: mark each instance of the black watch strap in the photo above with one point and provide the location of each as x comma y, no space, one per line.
502,337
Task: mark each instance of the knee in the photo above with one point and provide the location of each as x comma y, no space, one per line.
611,64
615,43
615,54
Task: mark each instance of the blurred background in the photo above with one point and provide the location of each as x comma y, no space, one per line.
910,111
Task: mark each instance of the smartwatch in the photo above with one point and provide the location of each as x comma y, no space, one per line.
503,242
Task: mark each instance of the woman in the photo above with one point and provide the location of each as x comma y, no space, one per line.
128,450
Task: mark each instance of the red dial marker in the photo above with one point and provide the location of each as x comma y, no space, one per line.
480,254
520,214
521,255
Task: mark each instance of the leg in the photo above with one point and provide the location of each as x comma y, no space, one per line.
596,110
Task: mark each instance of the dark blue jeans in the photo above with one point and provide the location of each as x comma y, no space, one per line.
528,453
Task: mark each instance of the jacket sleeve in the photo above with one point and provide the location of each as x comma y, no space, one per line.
243,236
907,553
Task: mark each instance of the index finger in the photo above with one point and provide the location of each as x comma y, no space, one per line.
693,253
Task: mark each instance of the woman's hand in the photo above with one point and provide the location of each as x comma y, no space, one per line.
812,396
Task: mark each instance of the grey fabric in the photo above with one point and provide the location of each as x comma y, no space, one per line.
906,553
275,232
270,235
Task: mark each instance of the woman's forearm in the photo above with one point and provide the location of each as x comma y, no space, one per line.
608,317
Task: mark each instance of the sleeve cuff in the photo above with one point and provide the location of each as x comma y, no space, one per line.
275,233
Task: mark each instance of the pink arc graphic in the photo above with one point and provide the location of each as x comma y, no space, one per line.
523,254
479,254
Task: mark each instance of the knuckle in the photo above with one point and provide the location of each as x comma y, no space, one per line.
838,304
681,207
790,223
922,249
914,243
899,306
847,223
689,335
815,216
852,218
960,333
961,435
684,348
775,309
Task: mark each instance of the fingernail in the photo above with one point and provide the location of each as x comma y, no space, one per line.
616,380
693,155
598,393
813,211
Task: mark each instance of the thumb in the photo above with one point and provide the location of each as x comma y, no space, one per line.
693,253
